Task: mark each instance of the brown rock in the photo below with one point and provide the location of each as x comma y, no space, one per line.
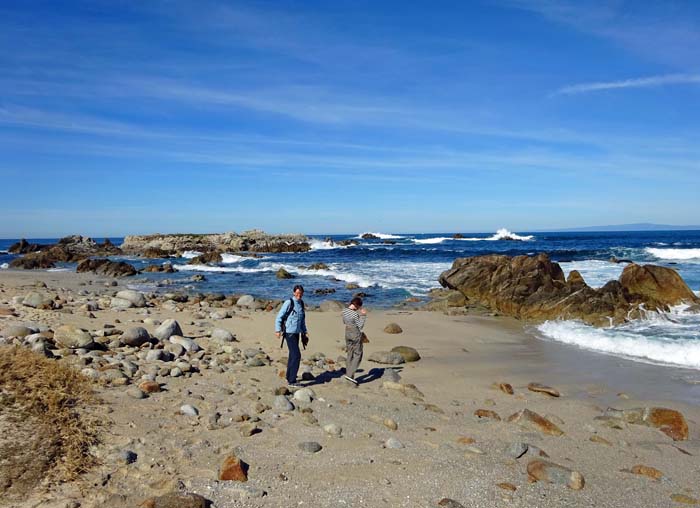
532,420
208,257
408,389
549,472
540,388
392,328
682,498
149,387
409,354
648,471
598,439
233,469
575,279
449,503
176,500
283,274
106,267
155,253
669,421
657,285
487,413
534,288
506,388
507,486
466,440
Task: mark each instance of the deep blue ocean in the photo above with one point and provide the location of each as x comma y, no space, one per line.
397,266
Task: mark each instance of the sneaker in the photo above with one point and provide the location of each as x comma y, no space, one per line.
352,380
293,385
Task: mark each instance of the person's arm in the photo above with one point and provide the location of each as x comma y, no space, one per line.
303,319
280,314
361,318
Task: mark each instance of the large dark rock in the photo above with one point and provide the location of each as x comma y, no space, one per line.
156,253
206,258
70,249
24,247
106,267
534,288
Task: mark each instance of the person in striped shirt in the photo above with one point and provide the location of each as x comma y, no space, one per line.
354,317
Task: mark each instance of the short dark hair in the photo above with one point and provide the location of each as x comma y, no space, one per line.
298,286
357,301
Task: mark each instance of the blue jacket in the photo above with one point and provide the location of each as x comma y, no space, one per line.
296,322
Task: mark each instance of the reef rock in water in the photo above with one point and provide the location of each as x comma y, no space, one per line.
249,241
534,288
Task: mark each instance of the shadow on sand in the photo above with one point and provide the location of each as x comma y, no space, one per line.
373,374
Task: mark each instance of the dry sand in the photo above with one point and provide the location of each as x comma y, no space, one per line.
463,360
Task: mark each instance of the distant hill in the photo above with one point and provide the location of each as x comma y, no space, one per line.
641,226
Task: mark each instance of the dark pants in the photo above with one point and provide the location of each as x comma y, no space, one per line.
294,356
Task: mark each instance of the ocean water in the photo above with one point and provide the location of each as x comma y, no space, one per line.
398,266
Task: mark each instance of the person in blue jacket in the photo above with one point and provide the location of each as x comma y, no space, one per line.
291,322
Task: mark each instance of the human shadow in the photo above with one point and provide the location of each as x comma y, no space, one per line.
375,373
325,377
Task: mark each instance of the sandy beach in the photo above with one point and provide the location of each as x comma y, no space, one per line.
410,440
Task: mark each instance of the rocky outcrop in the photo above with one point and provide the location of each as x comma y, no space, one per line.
24,247
534,288
209,257
106,267
249,241
70,249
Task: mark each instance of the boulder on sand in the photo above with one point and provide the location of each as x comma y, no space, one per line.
409,354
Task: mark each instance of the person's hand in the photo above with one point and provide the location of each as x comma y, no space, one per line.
278,334
363,311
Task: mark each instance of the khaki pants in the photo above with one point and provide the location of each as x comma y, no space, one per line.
354,347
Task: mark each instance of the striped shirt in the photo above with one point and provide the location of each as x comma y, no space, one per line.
353,319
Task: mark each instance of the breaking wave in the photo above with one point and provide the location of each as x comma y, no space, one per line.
317,244
674,254
381,236
662,338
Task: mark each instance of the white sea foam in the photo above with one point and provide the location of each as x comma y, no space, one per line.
191,254
504,234
501,234
219,269
438,239
4,251
317,244
232,258
596,273
58,270
4,266
677,254
670,339
381,236
333,271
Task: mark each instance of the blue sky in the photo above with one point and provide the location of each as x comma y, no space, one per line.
122,117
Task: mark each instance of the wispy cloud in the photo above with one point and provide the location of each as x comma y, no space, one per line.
664,32
648,82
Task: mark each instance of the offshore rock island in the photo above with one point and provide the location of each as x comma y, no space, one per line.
248,241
